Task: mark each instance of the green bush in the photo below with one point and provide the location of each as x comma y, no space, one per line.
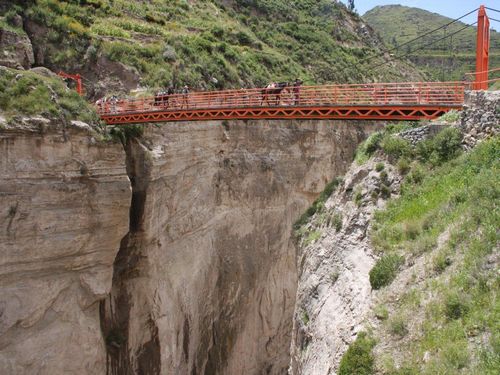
358,359
446,145
379,167
385,270
396,147
368,147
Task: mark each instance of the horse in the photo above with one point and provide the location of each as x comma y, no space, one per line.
162,97
274,88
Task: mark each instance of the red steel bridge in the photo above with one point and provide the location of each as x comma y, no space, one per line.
374,101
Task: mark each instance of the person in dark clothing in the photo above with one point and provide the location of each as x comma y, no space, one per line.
296,91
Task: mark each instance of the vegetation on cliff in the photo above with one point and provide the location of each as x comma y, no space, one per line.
28,93
450,218
447,59
439,241
206,44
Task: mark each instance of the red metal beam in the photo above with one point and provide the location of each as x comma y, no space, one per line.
327,112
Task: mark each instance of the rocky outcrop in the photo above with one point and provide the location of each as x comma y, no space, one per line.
334,292
64,205
15,50
205,281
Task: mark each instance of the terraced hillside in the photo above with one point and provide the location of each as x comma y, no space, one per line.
119,44
449,58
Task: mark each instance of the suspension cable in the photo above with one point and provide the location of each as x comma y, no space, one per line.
494,10
424,46
419,37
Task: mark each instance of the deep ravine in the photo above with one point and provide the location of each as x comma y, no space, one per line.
205,280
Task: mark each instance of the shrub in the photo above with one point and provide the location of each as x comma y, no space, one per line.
379,167
441,262
358,359
397,326
337,221
411,229
312,237
396,147
318,203
334,276
169,53
385,270
451,116
243,38
305,317
416,176
385,191
368,147
403,166
446,145
454,307
358,197
381,312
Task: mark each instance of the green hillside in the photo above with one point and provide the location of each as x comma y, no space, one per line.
446,59
206,44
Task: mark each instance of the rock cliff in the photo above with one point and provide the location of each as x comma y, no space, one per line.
64,203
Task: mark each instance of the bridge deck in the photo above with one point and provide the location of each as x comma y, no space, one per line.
390,101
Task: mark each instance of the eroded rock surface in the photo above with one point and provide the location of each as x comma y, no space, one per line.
205,281
334,292
64,207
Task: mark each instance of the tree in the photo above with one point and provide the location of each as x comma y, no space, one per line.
350,5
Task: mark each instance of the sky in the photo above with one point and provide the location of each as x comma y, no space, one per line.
448,8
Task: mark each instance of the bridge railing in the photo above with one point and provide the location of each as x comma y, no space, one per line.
376,94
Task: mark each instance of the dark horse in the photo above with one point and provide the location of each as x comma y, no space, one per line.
276,89
162,97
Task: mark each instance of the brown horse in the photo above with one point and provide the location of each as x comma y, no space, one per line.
276,89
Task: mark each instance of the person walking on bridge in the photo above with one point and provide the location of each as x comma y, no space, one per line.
185,97
296,91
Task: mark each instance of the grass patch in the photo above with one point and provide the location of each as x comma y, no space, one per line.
312,237
385,270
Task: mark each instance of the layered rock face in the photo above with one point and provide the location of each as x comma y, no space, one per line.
64,207
205,281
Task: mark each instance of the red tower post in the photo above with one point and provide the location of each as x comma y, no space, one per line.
482,50
75,77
